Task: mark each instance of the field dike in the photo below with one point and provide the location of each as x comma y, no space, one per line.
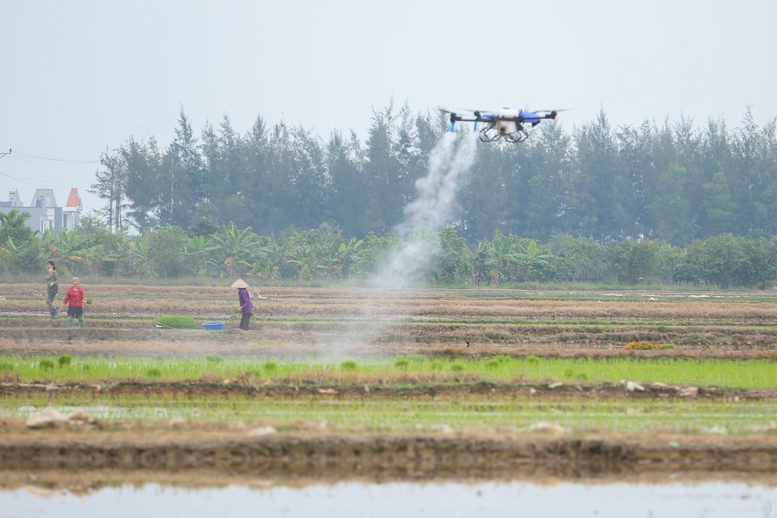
340,456
197,388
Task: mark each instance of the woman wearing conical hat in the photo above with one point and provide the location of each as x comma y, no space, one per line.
246,306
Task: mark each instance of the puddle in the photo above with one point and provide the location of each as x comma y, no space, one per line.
401,499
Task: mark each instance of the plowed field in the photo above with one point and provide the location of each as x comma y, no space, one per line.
360,321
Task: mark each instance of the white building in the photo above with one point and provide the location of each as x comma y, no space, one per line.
44,212
72,210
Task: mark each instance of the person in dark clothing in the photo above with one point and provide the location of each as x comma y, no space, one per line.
52,280
246,306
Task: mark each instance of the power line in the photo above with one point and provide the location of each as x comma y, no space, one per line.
33,182
27,157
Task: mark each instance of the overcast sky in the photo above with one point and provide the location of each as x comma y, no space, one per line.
77,77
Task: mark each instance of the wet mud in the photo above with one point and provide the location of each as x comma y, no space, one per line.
131,456
237,388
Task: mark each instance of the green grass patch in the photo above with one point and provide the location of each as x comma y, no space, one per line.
349,365
760,373
176,321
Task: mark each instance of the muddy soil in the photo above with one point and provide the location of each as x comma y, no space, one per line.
47,483
465,387
363,322
342,456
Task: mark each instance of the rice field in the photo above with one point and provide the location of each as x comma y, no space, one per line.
470,414
412,369
340,337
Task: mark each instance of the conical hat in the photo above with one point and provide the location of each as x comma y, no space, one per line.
240,283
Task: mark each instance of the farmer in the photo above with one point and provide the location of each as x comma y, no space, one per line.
246,306
74,300
52,280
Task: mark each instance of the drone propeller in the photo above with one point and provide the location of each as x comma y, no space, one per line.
483,112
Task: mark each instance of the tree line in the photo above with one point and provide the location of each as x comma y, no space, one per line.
325,253
672,182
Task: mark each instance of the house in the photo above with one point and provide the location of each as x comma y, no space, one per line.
72,210
43,210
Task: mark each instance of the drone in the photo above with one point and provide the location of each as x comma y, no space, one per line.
507,124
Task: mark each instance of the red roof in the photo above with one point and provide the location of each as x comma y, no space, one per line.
74,200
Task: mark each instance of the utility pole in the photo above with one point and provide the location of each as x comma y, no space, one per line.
3,154
172,177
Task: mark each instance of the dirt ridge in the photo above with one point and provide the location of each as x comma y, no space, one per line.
419,454
226,388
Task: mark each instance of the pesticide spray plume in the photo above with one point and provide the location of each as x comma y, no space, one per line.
434,206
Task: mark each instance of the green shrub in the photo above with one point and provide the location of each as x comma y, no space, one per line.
6,366
492,365
435,366
213,358
401,364
417,358
533,360
176,321
270,367
153,372
348,365
64,360
86,367
568,373
582,376
46,364
457,367
667,346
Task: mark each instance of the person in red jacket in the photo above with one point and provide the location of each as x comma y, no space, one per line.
74,300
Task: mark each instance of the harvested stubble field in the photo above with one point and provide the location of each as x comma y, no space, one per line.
340,322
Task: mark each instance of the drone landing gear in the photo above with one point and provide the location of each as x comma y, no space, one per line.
518,136
513,138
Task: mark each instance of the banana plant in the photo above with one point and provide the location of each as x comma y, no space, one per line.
501,252
194,253
94,257
235,246
140,255
65,246
531,257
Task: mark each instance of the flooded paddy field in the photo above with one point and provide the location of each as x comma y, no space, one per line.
399,499
349,401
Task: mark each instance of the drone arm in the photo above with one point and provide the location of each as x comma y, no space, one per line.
454,118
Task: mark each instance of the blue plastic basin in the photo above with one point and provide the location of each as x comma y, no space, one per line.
213,326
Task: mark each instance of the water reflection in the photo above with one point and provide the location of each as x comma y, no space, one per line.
403,499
